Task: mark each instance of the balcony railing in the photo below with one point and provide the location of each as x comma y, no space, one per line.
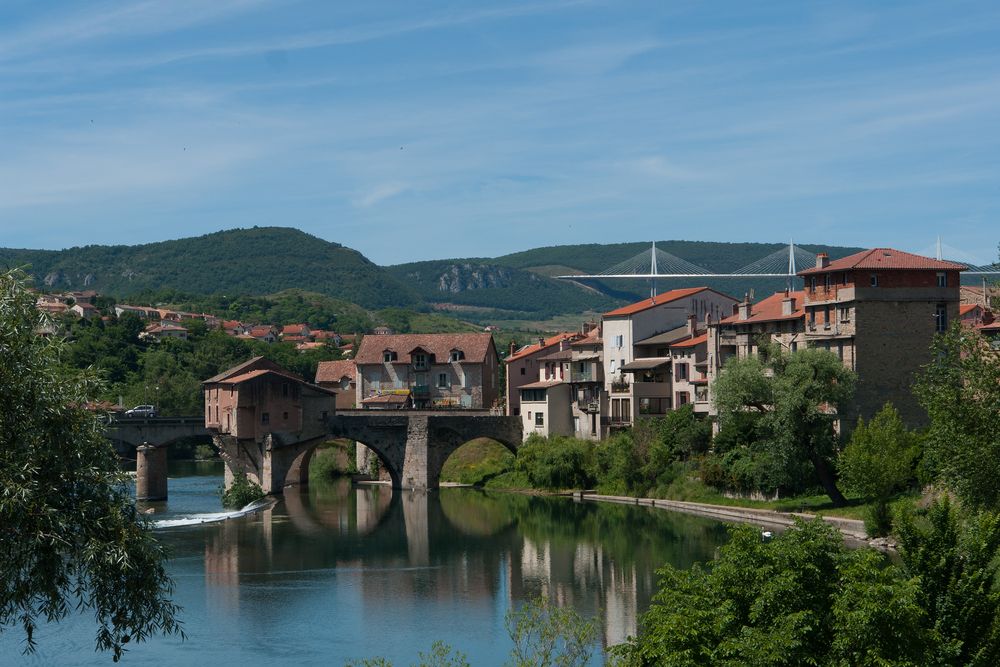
583,376
619,387
420,390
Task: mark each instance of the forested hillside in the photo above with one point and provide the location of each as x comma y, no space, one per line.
268,273
257,261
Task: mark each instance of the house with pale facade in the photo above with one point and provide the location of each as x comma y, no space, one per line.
524,363
636,349
427,371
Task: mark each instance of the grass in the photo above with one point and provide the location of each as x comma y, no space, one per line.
332,459
477,462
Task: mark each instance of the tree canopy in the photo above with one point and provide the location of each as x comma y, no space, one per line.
70,534
794,399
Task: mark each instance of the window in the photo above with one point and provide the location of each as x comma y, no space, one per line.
681,371
843,278
284,416
845,314
539,419
522,370
941,315
284,389
840,350
827,279
812,316
612,365
812,284
619,341
683,398
442,380
265,418
420,360
388,356
826,315
457,355
874,280
942,279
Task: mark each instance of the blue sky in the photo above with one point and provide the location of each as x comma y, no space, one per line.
420,130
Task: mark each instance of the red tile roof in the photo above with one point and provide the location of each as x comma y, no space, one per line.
390,399
294,329
260,372
528,350
335,371
769,309
247,366
885,259
658,300
691,342
967,308
261,330
476,347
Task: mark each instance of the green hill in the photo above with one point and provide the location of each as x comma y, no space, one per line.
257,261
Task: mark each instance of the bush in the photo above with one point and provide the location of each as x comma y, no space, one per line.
242,492
557,462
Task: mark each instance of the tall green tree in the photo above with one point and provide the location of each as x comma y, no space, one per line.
960,389
879,461
70,535
796,396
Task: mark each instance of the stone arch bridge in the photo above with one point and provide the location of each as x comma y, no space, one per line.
412,445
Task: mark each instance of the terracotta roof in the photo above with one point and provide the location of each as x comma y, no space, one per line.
993,326
260,372
335,371
231,324
885,259
261,330
528,350
692,342
475,346
542,384
769,309
592,338
658,300
246,366
965,309
294,329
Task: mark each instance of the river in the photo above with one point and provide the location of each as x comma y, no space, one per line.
333,573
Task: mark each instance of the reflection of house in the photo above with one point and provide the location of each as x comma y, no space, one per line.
340,376
637,342
427,371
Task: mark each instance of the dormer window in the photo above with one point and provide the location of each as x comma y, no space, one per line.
388,356
457,355
420,360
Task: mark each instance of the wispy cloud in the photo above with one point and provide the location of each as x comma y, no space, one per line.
380,193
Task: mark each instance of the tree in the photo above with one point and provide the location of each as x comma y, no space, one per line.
877,462
960,389
802,598
70,535
797,396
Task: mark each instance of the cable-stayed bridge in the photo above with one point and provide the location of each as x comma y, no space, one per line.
785,263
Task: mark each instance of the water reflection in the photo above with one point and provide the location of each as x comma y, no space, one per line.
410,551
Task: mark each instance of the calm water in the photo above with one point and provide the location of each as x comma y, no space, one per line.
334,573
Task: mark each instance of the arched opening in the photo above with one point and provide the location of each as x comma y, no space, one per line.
477,461
299,468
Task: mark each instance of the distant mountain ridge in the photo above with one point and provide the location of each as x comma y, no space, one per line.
265,260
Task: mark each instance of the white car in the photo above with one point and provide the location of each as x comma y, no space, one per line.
141,411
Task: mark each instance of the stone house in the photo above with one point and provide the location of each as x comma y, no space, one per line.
879,310
427,371
341,377
522,364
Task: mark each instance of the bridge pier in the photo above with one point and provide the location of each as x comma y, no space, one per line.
150,472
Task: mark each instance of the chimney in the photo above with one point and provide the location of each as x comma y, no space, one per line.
513,348
744,308
541,342
822,260
787,304
691,328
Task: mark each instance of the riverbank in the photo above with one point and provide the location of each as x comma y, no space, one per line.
853,530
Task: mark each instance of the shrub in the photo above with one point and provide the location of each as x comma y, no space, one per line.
242,492
557,462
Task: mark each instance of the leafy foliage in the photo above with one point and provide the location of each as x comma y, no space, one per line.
241,493
557,462
794,397
548,636
879,460
70,535
960,389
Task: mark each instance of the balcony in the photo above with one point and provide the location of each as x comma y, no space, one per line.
592,406
619,387
420,390
585,376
